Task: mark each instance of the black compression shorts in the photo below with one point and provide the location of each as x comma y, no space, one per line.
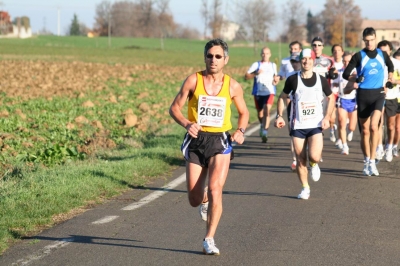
369,101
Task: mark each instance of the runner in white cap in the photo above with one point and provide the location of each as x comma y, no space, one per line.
308,91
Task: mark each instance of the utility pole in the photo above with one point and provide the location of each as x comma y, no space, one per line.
58,21
344,31
109,28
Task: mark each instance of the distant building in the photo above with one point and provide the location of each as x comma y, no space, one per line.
228,30
20,28
385,30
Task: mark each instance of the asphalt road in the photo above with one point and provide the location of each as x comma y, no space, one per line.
349,219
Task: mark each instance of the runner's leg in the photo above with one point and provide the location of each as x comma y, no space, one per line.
218,171
300,149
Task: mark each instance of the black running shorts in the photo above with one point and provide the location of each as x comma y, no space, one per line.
369,101
391,107
199,150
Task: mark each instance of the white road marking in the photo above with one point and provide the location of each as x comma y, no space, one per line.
41,253
156,194
105,220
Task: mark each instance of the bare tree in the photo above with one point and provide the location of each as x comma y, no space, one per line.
205,14
256,16
102,18
338,17
165,21
213,18
140,18
293,15
216,20
123,18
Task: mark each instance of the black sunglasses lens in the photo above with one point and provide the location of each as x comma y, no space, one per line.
210,56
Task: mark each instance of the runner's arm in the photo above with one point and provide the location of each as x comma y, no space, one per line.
350,86
243,119
282,71
355,59
252,72
390,66
290,83
331,99
177,105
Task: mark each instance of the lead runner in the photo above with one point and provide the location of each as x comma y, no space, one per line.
207,145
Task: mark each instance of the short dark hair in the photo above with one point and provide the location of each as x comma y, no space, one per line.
216,42
296,42
317,39
336,45
369,32
346,53
397,53
385,43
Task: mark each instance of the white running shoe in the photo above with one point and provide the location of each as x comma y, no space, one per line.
372,169
389,155
345,150
339,144
366,169
332,136
209,247
304,194
293,166
203,208
379,154
315,172
395,152
350,136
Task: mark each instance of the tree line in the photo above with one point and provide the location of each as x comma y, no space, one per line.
257,19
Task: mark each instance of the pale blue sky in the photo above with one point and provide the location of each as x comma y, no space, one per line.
44,13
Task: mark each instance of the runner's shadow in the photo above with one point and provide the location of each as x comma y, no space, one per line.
260,167
116,242
256,194
343,172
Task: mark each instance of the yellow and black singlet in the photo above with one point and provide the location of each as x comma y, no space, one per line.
213,113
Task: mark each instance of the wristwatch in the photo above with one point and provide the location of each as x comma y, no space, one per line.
277,115
241,130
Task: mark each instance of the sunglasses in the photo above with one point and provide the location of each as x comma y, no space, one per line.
217,56
315,45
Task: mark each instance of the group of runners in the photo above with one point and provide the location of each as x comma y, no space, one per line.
356,87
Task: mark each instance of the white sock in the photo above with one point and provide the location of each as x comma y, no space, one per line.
380,147
389,146
372,161
345,145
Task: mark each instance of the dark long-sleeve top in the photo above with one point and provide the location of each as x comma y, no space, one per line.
356,61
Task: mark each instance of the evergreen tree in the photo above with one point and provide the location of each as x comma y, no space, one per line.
312,26
74,29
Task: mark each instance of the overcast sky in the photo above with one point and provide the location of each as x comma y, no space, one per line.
44,13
